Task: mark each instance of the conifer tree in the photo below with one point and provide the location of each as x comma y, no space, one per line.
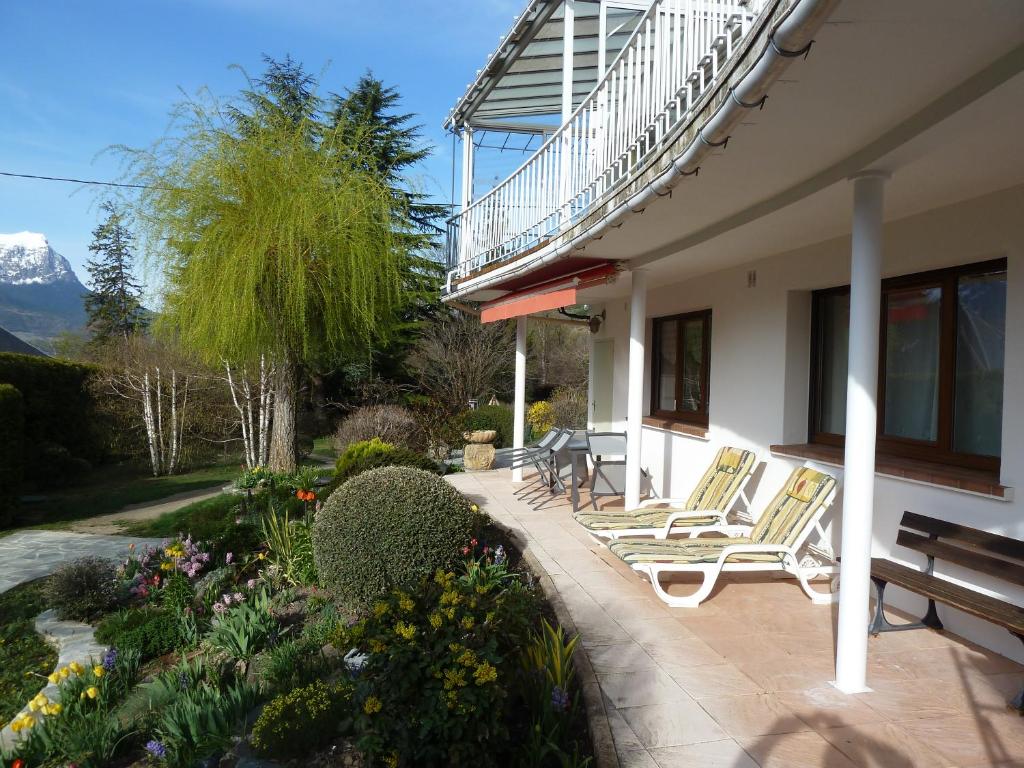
114,307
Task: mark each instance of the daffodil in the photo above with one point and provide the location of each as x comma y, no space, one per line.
64,672
75,667
92,691
53,677
99,671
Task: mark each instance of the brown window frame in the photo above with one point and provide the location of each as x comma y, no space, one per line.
938,451
700,416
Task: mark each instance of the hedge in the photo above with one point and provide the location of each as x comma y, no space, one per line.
12,427
62,430
496,417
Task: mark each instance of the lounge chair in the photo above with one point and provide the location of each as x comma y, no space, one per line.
772,544
704,510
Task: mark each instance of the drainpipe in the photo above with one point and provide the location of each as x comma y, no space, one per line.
861,415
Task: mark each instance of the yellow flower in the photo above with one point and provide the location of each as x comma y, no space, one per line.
436,620
372,705
406,603
485,673
481,590
53,709
407,631
64,672
380,609
166,566
474,508
391,761
467,622
377,646
99,671
454,678
92,691
22,723
75,667
467,659
53,677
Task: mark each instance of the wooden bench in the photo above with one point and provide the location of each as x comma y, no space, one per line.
988,553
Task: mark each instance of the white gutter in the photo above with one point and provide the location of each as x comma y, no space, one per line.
791,38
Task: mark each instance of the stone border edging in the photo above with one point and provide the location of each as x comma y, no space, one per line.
601,739
75,641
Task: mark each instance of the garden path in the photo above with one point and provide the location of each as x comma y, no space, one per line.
29,555
111,524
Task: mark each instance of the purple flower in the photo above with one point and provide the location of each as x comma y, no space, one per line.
155,748
228,558
499,555
238,597
219,608
110,659
250,584
559,699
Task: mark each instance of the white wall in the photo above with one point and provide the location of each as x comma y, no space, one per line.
759,375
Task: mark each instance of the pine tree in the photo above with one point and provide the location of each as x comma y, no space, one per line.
391,146
114,307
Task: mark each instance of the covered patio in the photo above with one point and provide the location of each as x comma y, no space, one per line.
745,679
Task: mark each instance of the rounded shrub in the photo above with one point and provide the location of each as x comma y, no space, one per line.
388,528
153,632
299,722
373,454
83,589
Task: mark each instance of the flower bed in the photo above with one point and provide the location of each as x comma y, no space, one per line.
217,653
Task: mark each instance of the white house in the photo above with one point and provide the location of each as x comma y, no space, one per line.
801,223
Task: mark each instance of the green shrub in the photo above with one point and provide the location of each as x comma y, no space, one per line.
177,593
388,528
83,589
291,664
496,417
302,721
243,629
12,450
60,416
373,454
152,632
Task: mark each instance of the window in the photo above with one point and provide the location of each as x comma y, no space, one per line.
682,363
940,382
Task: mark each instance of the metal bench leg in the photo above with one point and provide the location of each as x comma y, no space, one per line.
1017,702
881,624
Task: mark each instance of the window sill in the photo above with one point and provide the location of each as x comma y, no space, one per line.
956,478
679,427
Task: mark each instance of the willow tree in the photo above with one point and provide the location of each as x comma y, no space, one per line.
275,239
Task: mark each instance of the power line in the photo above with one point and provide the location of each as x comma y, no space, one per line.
78,181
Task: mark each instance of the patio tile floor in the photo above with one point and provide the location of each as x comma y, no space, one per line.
743,680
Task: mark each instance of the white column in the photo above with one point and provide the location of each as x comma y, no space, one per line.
519,413
861,411
635,395
590,380
568,50
467,167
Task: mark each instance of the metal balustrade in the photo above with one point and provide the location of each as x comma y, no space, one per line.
674,56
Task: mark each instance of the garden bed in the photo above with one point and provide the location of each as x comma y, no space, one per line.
260,638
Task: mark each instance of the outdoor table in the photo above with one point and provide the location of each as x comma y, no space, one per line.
578,449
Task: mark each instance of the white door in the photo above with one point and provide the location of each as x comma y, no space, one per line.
602,366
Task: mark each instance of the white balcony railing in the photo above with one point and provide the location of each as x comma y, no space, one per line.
673,57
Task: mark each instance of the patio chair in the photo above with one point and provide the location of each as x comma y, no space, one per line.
705,509
543,460
518,455
609,474
771,544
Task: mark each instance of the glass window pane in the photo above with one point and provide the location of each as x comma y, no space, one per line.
980,337
693,357
834,313
667,345
913,329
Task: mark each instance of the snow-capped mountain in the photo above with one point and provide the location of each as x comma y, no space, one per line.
40,295
27,258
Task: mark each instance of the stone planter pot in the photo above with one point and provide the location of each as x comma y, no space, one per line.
478,454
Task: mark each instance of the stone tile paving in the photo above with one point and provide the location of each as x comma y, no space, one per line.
30,555
743,680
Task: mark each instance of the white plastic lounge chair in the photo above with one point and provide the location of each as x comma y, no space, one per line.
705,509
772,544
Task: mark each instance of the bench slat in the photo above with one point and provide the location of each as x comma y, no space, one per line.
991,609
972,537
968,558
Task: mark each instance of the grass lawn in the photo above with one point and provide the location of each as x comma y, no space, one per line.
203,519
108,489
324,446
25,660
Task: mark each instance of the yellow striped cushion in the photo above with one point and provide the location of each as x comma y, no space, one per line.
785,518
641,518
723,478
683,551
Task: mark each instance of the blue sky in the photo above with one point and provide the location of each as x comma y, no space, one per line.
76,78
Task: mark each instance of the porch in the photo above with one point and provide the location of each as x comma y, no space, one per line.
744,680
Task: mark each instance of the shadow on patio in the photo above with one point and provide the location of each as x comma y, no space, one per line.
743,680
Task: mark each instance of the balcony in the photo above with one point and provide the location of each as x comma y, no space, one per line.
679,55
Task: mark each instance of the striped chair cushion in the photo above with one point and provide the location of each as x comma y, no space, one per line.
683,551
640,518
723,478
785,518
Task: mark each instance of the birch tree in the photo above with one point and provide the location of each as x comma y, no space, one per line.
252,394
